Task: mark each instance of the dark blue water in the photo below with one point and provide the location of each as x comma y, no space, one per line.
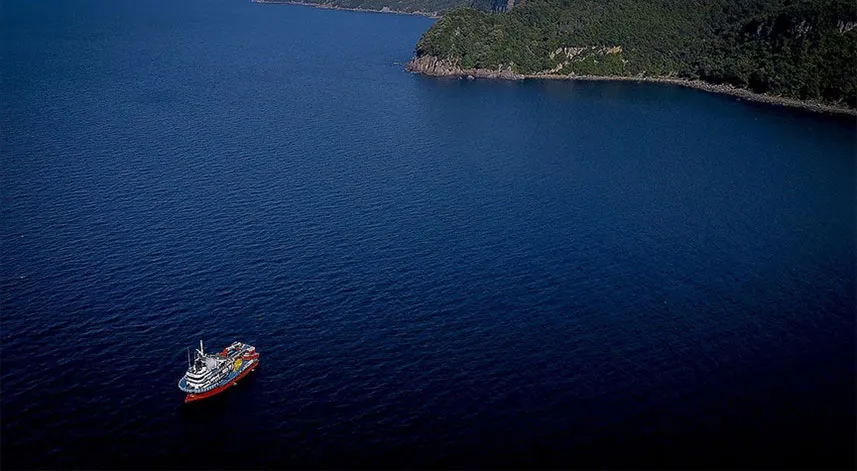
437,273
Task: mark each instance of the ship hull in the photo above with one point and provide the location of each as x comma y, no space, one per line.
198,397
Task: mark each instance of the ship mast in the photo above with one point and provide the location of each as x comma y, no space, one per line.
201,351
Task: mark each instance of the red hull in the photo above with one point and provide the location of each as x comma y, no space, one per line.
214,392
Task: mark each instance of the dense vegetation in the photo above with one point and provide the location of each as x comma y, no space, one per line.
804,49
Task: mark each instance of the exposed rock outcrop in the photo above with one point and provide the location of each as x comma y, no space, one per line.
573,52
430,65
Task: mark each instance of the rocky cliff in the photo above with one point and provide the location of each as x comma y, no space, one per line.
430,65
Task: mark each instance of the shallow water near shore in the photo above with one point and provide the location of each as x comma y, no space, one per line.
436,272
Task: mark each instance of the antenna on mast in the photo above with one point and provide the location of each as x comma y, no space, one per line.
201,351
188,357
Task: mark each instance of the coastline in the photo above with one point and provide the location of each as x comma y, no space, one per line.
330,6
440,68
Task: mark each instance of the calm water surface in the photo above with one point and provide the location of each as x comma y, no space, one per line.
437,272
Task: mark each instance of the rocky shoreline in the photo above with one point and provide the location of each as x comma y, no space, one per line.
330,6
429,65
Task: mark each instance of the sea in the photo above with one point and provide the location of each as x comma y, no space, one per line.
438,273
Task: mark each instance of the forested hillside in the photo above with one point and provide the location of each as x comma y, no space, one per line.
804,49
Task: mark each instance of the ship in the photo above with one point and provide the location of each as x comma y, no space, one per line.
211,374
